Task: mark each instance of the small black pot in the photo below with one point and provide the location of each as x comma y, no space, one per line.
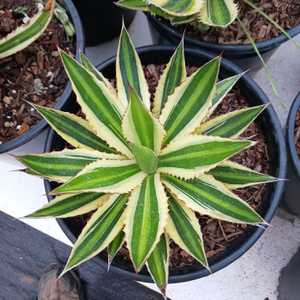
275,138
102,19
37,128
242,51
291,198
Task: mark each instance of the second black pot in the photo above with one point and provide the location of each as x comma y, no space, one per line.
239,51
291,198
270,124
102,19
66,95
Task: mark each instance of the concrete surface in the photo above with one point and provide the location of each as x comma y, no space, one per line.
252,277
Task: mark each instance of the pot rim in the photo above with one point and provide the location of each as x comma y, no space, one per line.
36,129
278,186
290,135
247,48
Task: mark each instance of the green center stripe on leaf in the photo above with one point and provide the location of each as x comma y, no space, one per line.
129,71
178,6
69,127
99,176
133,4
99,232
115,246
185,230
218,11
193,100
91,93
232,124
175,8
50,165
235,175
158,263
140,127
223,88
141,121
65,205
212,200
202,154
27,33
173,75
145,221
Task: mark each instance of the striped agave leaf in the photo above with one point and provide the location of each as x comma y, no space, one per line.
193,155
236,176
133,4
99,232
181,20
210,197
114,247
99,104
231,125
178,8
222,89
129,71
60,166
73,129
184,229
190,102
67,206
89,66
27,33
158,264
146,218
173,75
104,176
219,13
140,127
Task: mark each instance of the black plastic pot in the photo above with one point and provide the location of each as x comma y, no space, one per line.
102,19
242,51
291,198
275,138
37,128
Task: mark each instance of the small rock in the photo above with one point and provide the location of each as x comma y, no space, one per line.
55,53
7,100
8,124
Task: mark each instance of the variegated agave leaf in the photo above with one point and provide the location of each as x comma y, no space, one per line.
133,4
143,173
218,13
183,8
26,34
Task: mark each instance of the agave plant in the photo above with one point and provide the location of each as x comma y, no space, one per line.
219,13
145,169
29,32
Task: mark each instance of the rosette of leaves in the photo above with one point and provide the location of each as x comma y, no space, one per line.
145,169
34,27
219,13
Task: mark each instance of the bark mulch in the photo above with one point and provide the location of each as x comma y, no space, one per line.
285,12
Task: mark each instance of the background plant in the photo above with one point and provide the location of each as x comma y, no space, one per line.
203,14
34,27
145,172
